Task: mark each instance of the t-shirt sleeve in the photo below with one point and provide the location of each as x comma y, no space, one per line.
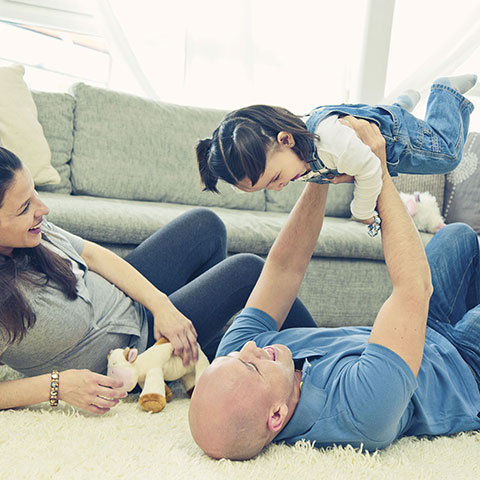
76,241
248,324
377,389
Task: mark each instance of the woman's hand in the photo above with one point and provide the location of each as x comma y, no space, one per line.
91,391
178,330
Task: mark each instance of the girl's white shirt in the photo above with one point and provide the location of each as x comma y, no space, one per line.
340,148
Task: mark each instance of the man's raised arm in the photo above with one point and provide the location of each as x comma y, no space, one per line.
401,322
290,254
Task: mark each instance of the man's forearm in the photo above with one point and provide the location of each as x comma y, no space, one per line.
403,249
287,261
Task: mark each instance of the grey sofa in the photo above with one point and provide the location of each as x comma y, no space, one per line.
128,167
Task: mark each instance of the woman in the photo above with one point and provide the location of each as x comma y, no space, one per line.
66,302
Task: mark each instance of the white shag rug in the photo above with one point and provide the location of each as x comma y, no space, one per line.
39,443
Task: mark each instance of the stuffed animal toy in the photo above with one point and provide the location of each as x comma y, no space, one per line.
151,368
423,209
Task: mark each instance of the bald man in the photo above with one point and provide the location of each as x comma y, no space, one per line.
362,386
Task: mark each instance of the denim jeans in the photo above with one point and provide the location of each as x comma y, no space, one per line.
187,260
453,255
414,146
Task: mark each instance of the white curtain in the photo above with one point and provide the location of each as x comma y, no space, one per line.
229,53
431,39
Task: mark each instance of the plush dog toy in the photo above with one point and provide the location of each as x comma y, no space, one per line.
151,368
423,208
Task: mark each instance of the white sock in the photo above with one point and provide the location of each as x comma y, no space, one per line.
408,99
461,83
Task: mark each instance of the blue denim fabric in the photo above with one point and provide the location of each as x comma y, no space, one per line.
454,312
415,146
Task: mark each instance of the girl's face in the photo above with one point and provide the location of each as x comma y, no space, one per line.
283,165
21,214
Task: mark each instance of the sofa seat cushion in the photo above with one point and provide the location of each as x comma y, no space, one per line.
132,148
115,221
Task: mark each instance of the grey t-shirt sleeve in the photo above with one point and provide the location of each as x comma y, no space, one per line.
76,241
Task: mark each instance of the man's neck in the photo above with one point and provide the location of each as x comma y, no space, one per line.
295,398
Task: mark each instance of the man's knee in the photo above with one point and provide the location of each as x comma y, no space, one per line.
459,232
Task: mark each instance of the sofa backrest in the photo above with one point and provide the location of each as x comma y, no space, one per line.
55,114
116,145
129,147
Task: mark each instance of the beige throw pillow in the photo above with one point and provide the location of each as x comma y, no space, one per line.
20,131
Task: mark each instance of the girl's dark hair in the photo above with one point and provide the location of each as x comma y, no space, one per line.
239,145
37,265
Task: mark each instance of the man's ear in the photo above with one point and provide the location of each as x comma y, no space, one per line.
285,139
277,417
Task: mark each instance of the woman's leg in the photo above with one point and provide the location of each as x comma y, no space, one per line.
213,298
182,250
186,260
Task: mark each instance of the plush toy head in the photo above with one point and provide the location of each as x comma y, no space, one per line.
423,208
151,368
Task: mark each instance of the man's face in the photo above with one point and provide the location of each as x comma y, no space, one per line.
269,370
243,398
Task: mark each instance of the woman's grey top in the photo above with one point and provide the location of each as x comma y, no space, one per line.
74,333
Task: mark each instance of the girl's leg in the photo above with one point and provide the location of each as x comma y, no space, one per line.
182,250
434,145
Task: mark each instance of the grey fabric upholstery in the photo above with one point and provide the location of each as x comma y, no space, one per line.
128,167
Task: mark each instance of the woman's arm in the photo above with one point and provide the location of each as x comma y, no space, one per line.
169,322
82,388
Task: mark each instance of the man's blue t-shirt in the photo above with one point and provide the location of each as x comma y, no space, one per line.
359,393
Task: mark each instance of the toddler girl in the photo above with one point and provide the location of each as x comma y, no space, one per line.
262,146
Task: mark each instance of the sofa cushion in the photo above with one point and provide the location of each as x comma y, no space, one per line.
114,221
129,147
20,131
340,196
55,114
434,184
462,190
338,200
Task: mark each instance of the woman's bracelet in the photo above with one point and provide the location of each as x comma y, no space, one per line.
54,383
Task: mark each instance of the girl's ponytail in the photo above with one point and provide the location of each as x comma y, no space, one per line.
208,178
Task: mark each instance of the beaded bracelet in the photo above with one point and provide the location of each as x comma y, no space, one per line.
374,227
54,382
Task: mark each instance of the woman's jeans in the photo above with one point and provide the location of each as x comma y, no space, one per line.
187,260
453,255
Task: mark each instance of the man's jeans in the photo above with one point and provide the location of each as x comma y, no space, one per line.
453,255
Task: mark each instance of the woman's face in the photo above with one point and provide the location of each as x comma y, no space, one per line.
21,214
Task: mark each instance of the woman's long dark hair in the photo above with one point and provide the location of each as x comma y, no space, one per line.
239,146
36,265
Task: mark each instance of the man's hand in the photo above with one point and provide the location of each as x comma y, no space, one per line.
369,134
